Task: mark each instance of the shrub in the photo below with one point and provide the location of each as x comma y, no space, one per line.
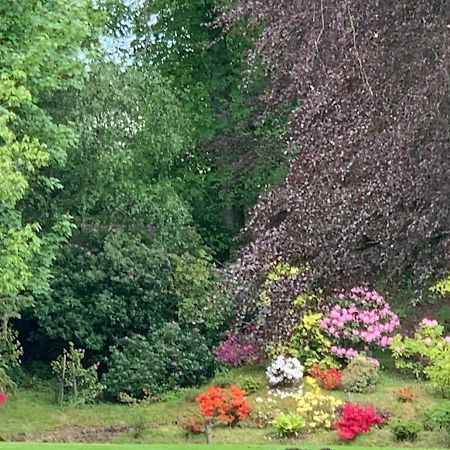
361,375
285,371
167,359
406,430
358,319
193,425
242,348
288,424
228,405
76,384
405,394
356,419
426,354
441,415
317,408
327,378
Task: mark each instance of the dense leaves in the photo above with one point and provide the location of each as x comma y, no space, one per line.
368,194
40,44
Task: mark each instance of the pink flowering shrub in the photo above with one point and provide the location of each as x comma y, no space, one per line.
239,349
358,320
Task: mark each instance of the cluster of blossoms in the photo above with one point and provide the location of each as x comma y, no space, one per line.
229,405
358,319
285,371
356,419
327,378
318,409
3,397
240,349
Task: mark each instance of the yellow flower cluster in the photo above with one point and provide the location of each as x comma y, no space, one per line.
318,409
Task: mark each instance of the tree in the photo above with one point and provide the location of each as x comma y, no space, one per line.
40,44
127,265
368,194
236,150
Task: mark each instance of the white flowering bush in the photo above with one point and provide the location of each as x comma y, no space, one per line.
285,371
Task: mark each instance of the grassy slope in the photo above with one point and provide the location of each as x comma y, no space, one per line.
32,412
35,446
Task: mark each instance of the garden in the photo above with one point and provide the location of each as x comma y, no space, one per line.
224,224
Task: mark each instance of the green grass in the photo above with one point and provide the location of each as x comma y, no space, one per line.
45,446
33,411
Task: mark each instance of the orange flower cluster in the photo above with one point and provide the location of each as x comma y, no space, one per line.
227,404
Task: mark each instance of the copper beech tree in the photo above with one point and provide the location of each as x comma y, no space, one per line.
368,193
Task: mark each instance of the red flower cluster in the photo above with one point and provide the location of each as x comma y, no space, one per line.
356,419
327,378
227,404
3,397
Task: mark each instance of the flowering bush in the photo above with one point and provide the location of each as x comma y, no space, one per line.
3,397
285,371
239,349
361,374
359,319
193,425
404,394
318,409
426,353
356,419
228,405
327,378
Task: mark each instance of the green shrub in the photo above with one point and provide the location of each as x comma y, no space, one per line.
288,424
361,375
443,317
426,354
441,415
406,430
168,359
76,384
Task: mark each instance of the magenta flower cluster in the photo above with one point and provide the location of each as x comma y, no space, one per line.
358,319
239,349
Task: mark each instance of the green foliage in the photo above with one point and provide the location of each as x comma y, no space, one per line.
201,302
76,383
426,354
443,317
405,430
167,359
39,56
361,375
288,424
135,261
442,286
441,415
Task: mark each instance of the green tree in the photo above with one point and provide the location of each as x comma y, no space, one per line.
126,267
39,56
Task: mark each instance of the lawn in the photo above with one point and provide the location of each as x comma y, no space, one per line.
46,446
31,414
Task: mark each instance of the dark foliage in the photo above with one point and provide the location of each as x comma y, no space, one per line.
369,193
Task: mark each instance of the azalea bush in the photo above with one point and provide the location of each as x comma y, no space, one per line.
327,378
241,348
285,371
318,409
356,419
227,405
426,353
358,320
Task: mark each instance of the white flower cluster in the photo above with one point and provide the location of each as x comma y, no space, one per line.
285,371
